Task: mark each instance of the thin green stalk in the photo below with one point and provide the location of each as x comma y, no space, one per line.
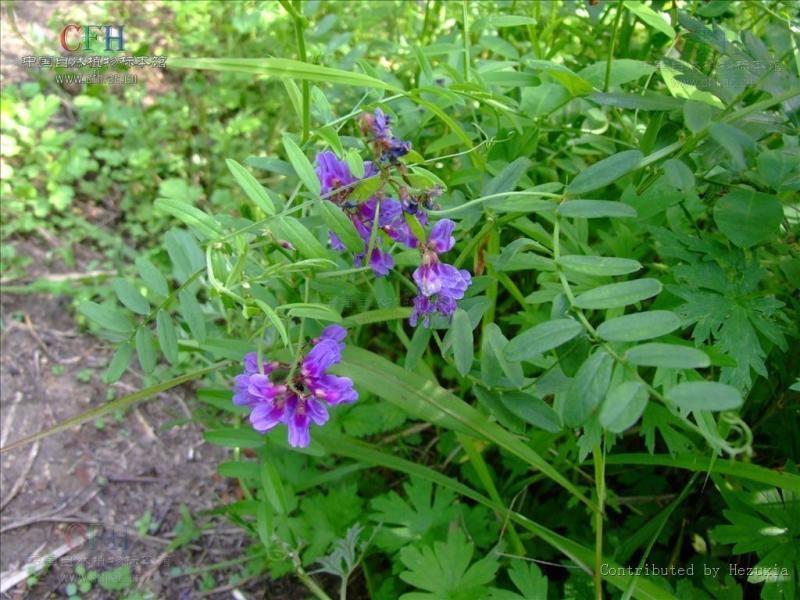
614,34
465,33
295,10
600,486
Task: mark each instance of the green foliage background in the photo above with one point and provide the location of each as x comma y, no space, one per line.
619,386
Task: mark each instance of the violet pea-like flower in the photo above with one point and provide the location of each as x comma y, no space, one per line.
301,401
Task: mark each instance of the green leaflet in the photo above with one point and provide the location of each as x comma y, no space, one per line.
623,406
604,172
671,356
595,209
705,395
254,190
302,166
747,217
639,326
599,266
541,338
615,295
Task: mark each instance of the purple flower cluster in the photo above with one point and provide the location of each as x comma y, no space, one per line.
389,148
335,178
439,284
302,400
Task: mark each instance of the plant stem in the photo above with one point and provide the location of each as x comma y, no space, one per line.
611,49
299,32
465,33
600,486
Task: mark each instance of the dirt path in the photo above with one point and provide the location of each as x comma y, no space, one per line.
104,476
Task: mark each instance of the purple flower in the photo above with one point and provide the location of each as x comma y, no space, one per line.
334,332
441,237
301,397
326,353
388,147
332,172
334,390
440,285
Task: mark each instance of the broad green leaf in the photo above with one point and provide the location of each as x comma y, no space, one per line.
331,137
417,347
587,389
494,345
648,101
599,266
119,363
678,175
615,295
668,356
295,96
355,163
107,317
508,178
272,484
747,217
532,410
275,320
191,216
167,338
639,326
650,17
152,277
537,340
462,341
604,172
697,115
623,70
379,315
735,142
705,395
240,469
595,209
245,437
145,349
623,406
365,188
302,166
184,252
192,313
340,225
313,311
283,67
446,569
293,231
254,190
423,398
528,579
130,296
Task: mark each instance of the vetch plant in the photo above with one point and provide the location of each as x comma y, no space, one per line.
561,245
